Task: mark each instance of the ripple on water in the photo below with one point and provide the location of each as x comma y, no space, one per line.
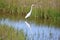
39,32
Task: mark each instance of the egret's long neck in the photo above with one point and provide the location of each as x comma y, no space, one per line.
31,9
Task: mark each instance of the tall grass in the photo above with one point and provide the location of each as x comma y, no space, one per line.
23,7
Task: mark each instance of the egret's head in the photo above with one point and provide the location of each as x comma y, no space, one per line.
32,4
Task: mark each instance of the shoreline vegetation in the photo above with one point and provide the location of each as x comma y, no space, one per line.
44,10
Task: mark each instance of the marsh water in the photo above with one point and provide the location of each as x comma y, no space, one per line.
34,30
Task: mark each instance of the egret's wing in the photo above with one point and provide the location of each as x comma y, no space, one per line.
28,14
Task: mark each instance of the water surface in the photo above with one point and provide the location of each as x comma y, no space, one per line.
34,32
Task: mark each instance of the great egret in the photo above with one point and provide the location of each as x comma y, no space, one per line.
29,13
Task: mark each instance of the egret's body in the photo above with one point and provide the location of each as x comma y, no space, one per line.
29,12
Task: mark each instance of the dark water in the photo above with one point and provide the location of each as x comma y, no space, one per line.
34,31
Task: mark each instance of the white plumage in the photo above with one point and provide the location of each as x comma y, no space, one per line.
29,12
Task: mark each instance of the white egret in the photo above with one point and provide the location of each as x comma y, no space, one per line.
29,13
